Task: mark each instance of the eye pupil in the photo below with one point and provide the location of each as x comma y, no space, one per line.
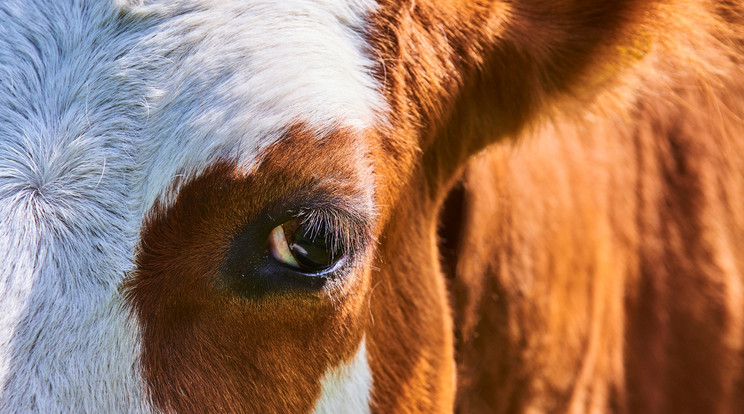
311,248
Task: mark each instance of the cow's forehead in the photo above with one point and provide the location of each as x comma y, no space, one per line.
175,86
68,145
102,106
226,79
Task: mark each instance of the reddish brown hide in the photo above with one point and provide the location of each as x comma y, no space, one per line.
591,254
595,256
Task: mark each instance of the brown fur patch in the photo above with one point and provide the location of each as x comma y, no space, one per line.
601,255
207,346
599,261
409,339
609,276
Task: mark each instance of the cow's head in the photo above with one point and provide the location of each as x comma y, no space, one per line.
231,205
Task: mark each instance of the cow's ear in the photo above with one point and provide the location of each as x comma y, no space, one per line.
462,75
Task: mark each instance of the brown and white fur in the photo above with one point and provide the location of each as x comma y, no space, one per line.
540,201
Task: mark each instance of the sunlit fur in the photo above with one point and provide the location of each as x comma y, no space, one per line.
590,260
597,266
346,388
102,107
70,116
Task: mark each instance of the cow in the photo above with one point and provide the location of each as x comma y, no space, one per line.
357,206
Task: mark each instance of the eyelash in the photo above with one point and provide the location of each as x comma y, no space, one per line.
345,232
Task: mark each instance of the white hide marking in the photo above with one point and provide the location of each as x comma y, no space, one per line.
100,110
68,132
347,388
242,72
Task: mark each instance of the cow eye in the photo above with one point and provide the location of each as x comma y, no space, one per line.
304,246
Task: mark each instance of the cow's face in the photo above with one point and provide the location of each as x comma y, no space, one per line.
232,205
188,206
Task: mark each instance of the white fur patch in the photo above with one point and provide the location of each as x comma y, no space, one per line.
101,109
241,72
68,138
347,387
